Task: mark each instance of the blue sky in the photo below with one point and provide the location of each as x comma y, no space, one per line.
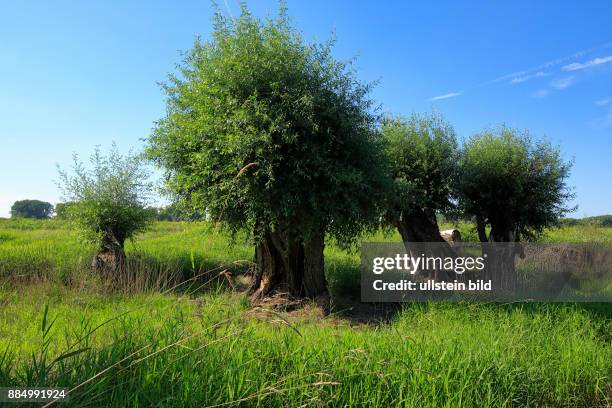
77,74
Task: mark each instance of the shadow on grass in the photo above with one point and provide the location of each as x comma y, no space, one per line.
344,284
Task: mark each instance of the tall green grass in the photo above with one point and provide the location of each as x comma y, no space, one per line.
188,347
51,250
164,350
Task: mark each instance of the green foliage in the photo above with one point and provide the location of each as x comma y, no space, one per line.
62,211
423,157
31,209
597,221
108,198
515,183
177,212
166,214
601,220
264,130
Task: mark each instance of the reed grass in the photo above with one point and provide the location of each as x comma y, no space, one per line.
179,336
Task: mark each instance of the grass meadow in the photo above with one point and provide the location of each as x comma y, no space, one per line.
181,333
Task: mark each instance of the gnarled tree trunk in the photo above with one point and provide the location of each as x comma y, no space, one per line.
289,265
109,261
418,227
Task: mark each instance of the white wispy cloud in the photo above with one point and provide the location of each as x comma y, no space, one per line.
525,78
445,96
546,65
603,102
541,93
576,66
546,69
563,83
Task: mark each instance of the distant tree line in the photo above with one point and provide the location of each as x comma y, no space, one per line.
170,212
597,221
176,212
31,209
37,209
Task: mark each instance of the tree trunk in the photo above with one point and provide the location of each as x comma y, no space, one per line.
314,266
481,228
501,252
289,265
109,261
420,227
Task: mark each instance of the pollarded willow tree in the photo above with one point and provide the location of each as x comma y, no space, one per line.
515,185
423,162
107,201
270,134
